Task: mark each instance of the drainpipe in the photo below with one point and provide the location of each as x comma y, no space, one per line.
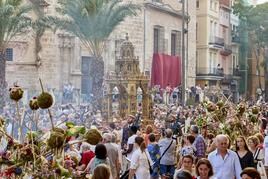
183,55
144,38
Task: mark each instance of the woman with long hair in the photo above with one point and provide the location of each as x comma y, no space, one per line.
148,131
258,153
245,156
204,169
140,160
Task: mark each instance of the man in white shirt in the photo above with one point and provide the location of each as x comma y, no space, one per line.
225,162
130,142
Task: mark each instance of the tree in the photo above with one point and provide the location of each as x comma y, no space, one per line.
256,20
16,20
92,21
13,22
39,25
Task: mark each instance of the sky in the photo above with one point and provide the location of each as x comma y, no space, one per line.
258,1
262,1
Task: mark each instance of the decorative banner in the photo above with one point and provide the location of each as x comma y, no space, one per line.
166,70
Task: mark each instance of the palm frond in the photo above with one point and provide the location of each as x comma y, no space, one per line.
93,20
14,20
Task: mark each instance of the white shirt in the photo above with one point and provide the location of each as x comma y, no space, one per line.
140,163
131,140
226,168
169,157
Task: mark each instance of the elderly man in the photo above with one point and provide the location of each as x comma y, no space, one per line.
225,162
112,152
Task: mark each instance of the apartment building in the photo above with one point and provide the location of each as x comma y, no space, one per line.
216,64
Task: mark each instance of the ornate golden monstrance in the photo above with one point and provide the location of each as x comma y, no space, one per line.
126,89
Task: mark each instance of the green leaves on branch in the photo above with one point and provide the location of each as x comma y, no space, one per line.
92,21
256,18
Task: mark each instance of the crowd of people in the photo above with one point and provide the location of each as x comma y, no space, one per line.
178,142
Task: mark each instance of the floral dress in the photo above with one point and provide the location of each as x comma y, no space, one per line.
154,151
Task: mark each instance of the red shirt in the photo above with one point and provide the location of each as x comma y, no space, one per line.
87,156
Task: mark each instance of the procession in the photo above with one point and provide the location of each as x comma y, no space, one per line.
153,89
177,142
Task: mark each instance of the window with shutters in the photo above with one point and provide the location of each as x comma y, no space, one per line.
9,54
159,41
175,43
156,40
86,83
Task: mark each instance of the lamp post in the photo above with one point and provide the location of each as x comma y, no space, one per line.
183,55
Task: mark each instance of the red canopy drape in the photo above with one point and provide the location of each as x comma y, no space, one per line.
166,70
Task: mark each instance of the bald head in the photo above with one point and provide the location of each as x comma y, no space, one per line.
222,142
221,137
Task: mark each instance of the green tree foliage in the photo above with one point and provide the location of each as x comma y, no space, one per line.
92,21
255,20
14,21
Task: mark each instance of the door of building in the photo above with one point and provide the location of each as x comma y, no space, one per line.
86,82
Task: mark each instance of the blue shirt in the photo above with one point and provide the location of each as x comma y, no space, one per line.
154,152
227,167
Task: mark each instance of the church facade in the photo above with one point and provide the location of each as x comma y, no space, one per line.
63,60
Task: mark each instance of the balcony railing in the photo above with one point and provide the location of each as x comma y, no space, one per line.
214,40
227,50
159,1
232,72
235,39
210,71
236,72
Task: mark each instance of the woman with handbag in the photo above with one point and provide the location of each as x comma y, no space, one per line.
258,153
140,161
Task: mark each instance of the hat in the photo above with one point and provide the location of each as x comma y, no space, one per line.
131,116
172,117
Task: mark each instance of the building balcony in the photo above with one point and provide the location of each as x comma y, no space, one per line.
216,41
235,39
226,3
209,73
236,72
234,75
226,50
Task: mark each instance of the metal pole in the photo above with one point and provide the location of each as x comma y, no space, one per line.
183,55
